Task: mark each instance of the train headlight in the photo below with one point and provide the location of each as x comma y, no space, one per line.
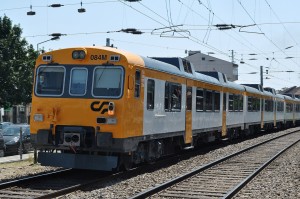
38,117
111,108
78,54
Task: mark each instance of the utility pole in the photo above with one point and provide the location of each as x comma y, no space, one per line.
261,76
108,42
232,56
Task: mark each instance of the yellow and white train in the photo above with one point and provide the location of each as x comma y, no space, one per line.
102,108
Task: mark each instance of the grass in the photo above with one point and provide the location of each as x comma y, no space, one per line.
24,162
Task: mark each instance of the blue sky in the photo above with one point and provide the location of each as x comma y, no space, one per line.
171,27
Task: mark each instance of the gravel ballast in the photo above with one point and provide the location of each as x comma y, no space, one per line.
125,188
281,181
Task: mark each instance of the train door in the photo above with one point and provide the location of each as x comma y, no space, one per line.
188,116
224,112
275,111
262,110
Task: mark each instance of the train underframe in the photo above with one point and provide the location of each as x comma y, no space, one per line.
84,148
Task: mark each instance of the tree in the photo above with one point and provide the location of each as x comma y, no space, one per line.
17,60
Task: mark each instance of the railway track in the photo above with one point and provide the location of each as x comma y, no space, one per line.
58,183
54,184
48,185
226,176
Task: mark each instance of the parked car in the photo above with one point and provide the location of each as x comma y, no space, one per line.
11,136
3,125
2,146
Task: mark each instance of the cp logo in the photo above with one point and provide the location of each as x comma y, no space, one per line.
97,107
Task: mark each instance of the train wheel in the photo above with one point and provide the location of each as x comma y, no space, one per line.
125,162
1,153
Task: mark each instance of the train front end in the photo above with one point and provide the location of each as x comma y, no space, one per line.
78,106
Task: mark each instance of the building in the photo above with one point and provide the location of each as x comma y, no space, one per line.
15,114
292,91
208,63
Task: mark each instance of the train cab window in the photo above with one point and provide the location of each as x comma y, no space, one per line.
78,81
50,81
137,83
208,100
108,82
150,94
217,101
199,100
173,97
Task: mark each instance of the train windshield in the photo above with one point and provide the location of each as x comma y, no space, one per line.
108,82
50,80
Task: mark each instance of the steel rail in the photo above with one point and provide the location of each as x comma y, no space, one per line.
22,180
236,189
171,182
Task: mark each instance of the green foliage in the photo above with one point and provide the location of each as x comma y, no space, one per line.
17,60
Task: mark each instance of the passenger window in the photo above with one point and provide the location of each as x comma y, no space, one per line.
173,97
150,94
199,100
250,105
224,101
167,96
176,97
137,83
189,98
241,102
78,81
208,100
217,101
231,102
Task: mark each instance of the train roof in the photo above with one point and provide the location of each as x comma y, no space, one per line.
279,96
161,66
287,97
157,64
268,93
234,86
252,90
